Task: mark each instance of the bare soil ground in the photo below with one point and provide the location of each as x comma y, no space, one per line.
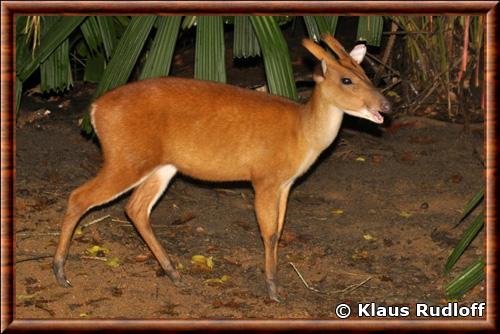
371,222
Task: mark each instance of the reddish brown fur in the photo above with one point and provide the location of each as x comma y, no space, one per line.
251,143
150,129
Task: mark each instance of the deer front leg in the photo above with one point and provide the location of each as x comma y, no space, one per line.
270,205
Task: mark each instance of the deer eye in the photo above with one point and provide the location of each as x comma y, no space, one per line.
346,81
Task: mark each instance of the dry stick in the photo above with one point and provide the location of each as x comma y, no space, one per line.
390,68
94,258
34,258
29,234
419,102
391,85
417,98
96,221
396,72
387,53
353,287
303,280
117,220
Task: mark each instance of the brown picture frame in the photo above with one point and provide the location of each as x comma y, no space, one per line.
9,9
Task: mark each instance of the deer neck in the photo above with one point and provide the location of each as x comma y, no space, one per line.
320,121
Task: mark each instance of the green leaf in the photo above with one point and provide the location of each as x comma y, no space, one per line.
312,28
53,38
467,238
160,56
19,93
245,42
94,68
473,203
327,24
126,54
370,29
276,56
23,48
468,279
209,63
188,22
55,70
92,34
108,34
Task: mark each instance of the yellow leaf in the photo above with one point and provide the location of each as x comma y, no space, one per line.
202,261
405,214
79,230
392,93
179,266
26,297
221,280
369,237
210,262
362,159
97,250
198,259
337,211
113,262
83,315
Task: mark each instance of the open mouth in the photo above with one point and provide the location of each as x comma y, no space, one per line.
375,117
371,115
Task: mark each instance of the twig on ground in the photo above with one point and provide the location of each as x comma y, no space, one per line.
303,280
95,221
94,258
352,287
34,258
29,234
117,220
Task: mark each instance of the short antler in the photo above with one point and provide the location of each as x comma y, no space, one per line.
344,58
318,51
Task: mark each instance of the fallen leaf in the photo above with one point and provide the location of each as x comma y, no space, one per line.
97,251
184,219
369,237
231,260
358,255
337,211
405,214
113,262
79,230
377,158
26,297
143,257
456,178
221,280
203,262
362,159
210,262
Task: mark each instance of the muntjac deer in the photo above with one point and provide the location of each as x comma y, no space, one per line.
152,129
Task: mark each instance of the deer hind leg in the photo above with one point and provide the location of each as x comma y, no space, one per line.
139,208
270,207
106,186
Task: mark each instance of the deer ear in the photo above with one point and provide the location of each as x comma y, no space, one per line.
320,72
358,53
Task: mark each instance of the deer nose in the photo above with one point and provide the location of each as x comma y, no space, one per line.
385,106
